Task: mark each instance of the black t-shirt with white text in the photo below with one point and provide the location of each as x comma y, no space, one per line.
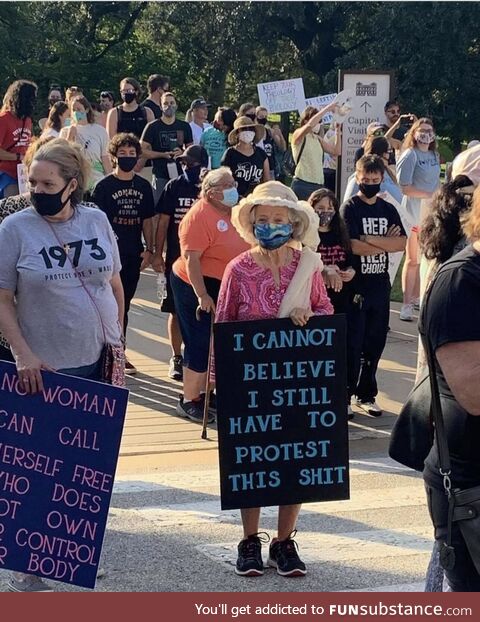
450,316
246,170
364,219
333,253
127,204
176,199
160,136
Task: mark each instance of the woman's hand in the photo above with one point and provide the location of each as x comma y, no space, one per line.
332,278
29,374
347,275
205,302
300,316
71,135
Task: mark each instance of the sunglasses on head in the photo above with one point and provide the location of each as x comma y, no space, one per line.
106,94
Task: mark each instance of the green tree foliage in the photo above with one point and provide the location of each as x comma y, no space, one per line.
221,50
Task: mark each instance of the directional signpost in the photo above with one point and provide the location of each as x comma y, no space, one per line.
371,91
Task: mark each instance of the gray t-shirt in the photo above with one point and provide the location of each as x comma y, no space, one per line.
420,169
58,320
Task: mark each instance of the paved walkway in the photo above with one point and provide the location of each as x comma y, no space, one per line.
153,432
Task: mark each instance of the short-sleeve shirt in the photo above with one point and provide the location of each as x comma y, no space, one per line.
13,139
208,231
333,252
178,196
127,204
45,264
93,139
246,170
215,143
197,131
159,135
364,219
420,169
450,317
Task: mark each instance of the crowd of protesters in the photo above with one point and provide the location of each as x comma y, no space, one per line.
203,200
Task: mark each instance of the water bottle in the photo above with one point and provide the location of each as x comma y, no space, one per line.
161,286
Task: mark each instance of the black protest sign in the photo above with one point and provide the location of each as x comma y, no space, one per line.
58,455
282,411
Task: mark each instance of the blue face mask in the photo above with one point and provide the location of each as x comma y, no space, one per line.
193,174
272,236
79,116
230,197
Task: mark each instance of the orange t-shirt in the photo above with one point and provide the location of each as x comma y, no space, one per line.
211,233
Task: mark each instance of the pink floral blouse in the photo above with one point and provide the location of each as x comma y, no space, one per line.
249,292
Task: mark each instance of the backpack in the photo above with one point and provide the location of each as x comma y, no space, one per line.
288,164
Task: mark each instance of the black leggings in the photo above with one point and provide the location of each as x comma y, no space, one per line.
464,576
129,275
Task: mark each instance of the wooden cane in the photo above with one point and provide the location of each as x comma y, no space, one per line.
207,382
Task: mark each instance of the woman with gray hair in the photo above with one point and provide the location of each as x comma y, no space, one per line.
273,279
208,241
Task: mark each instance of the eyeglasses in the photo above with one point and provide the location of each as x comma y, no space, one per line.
124,92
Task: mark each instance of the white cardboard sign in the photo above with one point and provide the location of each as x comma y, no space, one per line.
282,95
320,102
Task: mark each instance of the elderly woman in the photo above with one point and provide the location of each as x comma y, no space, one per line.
451,327
254,287
67,269
208,241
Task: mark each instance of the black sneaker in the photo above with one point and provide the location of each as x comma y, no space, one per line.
249,561
284,557
175,370
192,410
212,402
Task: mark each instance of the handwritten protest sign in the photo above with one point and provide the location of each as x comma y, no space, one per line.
320,102
22,178
282,411
58,455
282,96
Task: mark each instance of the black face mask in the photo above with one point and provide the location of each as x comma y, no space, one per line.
52,101
128,97
193,174
253,117
49,204
369,190
262,121
127,163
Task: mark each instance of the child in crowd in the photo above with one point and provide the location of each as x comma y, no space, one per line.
335,247
375,230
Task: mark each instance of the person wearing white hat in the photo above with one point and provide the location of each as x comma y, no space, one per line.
273,279
248,163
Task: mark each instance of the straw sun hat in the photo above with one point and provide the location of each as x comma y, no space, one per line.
244,123
277,194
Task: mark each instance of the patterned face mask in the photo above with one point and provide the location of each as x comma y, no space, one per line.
271,236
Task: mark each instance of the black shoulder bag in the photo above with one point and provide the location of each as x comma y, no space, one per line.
289,165
463,505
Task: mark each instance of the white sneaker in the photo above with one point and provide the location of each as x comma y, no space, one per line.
416,304
370,407
406,312
350,414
